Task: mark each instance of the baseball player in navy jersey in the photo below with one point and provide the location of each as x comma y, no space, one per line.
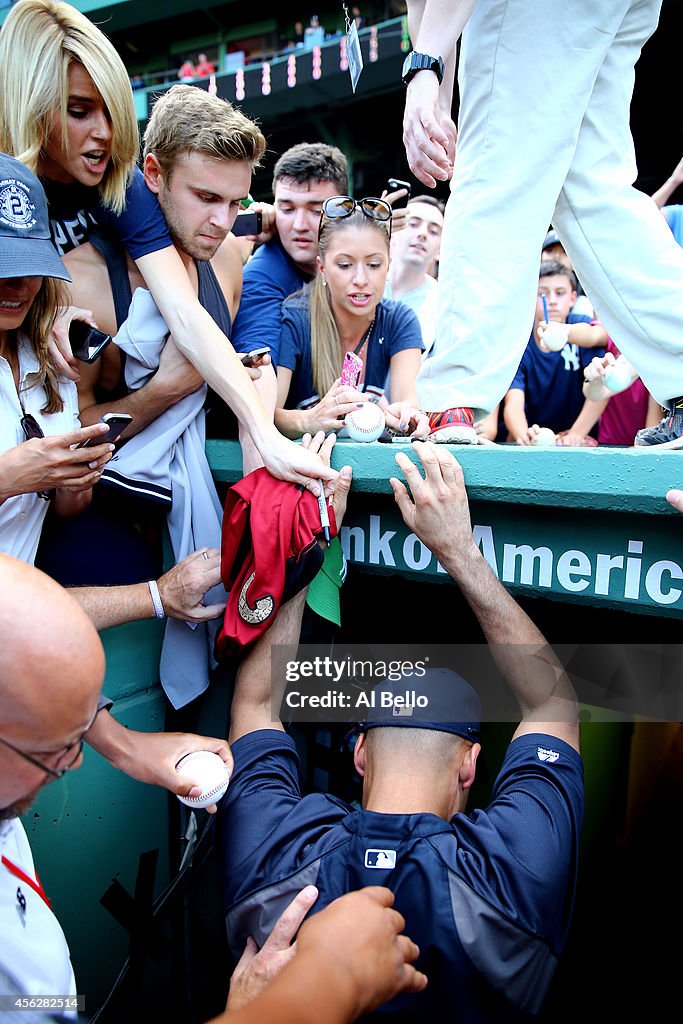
487,893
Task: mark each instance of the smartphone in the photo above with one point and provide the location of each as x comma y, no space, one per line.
253,357
117,423
393,185
351,369
248,224
87,342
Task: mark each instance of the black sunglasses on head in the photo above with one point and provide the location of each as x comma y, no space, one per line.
337,207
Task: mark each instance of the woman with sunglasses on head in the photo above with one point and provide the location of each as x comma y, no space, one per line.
342,311
38,408
67,111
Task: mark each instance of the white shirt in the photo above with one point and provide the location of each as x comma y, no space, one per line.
33,949
422,301
21,517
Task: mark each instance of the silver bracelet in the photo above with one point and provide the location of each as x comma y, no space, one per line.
156,599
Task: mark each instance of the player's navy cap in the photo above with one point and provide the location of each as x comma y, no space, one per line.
550,239
25,246
451,704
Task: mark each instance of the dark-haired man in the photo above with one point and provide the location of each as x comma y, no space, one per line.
488,895
303,178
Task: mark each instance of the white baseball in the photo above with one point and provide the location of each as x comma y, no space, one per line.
617,377
209,771
366,423
545,436
555,336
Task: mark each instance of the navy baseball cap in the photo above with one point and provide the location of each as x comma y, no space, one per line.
550,239
450,704
26,249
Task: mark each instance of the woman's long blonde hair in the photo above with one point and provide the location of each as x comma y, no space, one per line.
37,327
39,41
326,347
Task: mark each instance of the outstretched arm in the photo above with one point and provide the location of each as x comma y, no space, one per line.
181,590
438,513
152,756
255,697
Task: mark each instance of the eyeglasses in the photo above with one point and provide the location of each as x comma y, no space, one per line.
337,207
32,429
56,773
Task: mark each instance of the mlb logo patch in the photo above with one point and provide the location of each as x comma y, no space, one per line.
380,859
400,711
547,755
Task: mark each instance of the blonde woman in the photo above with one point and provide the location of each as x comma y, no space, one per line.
66,109
343,311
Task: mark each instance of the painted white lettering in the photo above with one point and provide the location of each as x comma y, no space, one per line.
571,564
528,556
483,538
379,544
634,569
653,582
603,568
415,554
355,534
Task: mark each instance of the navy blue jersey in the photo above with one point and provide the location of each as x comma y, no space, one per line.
487,896
269,277
552,382
396,328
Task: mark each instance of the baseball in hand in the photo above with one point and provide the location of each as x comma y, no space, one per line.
366,423
209,771
618,376
544,437
555,336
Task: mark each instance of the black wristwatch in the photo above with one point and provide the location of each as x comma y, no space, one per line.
415,62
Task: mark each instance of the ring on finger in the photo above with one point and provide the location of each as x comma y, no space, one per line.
205,554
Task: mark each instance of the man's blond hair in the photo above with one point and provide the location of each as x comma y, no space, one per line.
186,119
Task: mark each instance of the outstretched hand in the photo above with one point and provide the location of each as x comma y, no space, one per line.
152,757
360,934
257,967
436,510
336,491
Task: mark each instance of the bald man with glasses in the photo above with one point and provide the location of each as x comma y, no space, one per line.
46,636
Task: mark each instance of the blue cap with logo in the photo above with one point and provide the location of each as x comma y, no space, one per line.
26,249
449,704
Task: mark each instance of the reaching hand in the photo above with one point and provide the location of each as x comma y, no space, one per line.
182,588
529,435
286,460
402,416
360,936
675,499
439,510
257,967
59,345
152,757
337,491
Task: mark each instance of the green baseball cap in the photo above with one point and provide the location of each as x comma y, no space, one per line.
323,592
